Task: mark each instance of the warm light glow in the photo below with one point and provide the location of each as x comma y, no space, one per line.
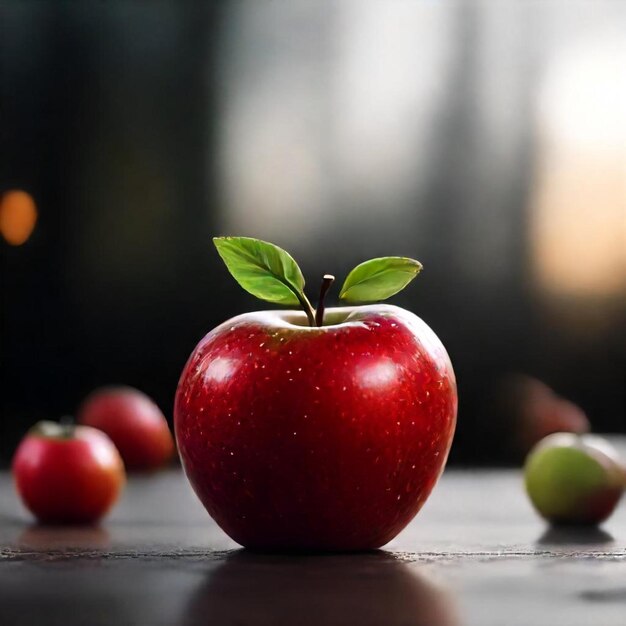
579,205
321,122
18,216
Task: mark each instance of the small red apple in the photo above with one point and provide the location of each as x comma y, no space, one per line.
318,437
67,474
135,424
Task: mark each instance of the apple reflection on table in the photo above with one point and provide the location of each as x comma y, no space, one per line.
368,589
40,537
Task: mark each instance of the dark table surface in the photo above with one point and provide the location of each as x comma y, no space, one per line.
476,555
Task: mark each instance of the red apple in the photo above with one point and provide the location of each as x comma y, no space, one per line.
67,474
135,424
325,437
315,430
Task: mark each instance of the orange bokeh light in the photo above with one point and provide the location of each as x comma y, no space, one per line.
18,216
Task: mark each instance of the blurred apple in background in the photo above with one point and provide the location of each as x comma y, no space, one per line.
135,424
523,410
574,479
543,412
67,474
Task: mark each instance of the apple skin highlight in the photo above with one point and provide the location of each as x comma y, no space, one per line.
316,438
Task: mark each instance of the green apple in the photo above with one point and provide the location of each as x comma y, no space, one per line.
574,479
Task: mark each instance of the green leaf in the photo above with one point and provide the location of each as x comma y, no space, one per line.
379,279
262,269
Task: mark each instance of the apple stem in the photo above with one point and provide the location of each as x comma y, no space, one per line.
308,308
327,281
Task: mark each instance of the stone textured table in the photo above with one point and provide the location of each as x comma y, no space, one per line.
475,555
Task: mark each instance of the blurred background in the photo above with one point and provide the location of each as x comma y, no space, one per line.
486,139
